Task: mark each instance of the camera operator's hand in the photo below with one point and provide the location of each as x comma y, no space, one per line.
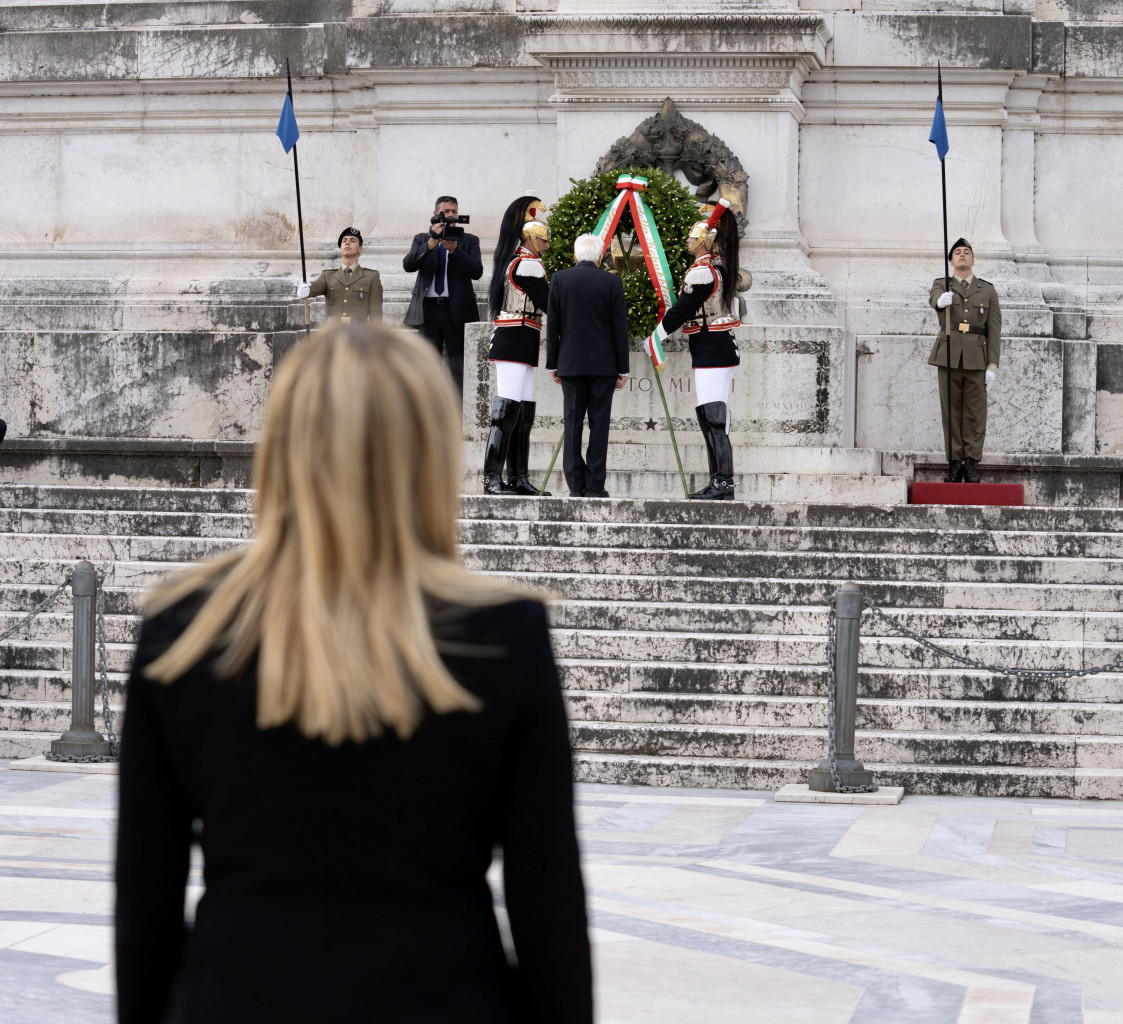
450,245
435,232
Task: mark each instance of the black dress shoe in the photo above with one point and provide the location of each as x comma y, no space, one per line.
596,494
970,471
3,430
955,472
577,494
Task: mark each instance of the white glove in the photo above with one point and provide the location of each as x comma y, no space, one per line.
302,290
991,374
945,300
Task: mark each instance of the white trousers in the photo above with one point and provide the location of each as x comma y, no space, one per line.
514,381
712,385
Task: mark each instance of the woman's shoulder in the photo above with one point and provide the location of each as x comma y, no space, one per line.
506,624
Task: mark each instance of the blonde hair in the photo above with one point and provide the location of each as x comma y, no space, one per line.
357,476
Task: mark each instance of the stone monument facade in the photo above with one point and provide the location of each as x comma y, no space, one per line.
149,240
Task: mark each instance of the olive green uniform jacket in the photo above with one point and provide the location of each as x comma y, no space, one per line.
976,306
359,299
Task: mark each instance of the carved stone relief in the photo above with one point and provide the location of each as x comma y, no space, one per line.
673,143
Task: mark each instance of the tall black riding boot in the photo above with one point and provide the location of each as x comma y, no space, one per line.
504,416
518,455
721,482
707,436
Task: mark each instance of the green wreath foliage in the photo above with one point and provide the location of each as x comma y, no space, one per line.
674,208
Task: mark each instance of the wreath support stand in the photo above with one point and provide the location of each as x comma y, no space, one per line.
670,426
630,196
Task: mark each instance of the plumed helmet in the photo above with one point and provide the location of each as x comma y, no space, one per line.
535,229
707,229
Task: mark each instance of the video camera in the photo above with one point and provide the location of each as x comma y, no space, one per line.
452,232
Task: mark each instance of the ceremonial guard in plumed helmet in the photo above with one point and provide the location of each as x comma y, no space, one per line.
707,312
516,303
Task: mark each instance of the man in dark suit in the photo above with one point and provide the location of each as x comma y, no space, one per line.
443,299
587,353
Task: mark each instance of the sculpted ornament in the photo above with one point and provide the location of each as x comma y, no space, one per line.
672,143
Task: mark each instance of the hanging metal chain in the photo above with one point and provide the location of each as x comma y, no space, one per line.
1022,673
42,606
832,695
103,671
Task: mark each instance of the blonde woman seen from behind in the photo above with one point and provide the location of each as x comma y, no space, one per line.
356,721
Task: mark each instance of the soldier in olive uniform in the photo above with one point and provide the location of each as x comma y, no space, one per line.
976,341
350,291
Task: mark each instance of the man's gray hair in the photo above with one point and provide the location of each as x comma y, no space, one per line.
587,247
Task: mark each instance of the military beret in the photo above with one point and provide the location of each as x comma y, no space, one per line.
355,231
959,243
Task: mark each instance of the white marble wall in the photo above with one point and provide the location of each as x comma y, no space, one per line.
162,176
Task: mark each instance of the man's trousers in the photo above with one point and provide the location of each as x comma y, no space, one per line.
442,329
968,411
591,396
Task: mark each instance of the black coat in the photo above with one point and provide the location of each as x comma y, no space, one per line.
587,323
465,265
348,884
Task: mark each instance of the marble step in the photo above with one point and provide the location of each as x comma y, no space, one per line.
736,513
875,714
751,487
123,616
795,539
781,618
51,716
810,745
889,683
793,565
676,561
890,594
22,743
57,655
47,685
748,774
778,649
748,459
905,540
616,510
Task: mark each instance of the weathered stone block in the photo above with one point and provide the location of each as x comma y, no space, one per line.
898,400
920,40
787,391
1109,400
145,385
1078,428
1093,51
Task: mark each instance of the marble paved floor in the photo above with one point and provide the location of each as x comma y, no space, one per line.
707,906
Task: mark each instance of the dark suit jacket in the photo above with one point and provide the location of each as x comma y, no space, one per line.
348,883
587,323
464,266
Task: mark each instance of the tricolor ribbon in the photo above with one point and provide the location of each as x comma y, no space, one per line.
631,189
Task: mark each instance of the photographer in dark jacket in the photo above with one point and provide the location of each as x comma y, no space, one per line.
443,299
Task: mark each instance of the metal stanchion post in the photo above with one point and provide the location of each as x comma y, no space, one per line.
841,771
82,739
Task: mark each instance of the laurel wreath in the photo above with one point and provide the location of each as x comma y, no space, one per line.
674,208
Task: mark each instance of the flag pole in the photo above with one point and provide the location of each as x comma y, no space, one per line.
947,276
299,215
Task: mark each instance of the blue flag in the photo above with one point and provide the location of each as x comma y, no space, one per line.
287,130
938,136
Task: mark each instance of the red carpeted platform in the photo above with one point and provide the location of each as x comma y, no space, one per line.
930,492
